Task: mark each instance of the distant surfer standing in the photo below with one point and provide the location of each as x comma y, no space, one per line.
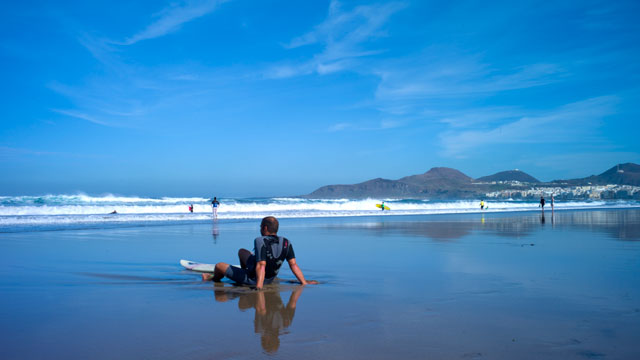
262,266
382,207
214,204
190,207
552,202
542,203
481,204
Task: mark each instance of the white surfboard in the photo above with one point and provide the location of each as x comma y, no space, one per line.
199,267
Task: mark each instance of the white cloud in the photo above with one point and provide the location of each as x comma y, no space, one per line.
567,124
382,125
8,153
172,18
450,75
580,164
343,35
340,127
83,116
466,118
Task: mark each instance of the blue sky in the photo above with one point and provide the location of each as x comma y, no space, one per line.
252,98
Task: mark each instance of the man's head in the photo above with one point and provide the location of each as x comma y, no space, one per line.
269,226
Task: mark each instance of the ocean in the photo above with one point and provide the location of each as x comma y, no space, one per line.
77,211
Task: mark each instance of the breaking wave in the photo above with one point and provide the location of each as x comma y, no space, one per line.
61,211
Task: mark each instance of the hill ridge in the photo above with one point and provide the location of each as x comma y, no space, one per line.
449,183
509,175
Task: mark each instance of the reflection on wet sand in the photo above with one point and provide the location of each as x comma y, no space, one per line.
215,231
272,317
451,230
618,224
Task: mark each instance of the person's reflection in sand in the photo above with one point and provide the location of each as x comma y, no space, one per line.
542,218
272,317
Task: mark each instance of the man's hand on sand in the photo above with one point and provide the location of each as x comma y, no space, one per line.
312,282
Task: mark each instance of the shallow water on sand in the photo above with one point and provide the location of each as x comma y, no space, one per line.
506,286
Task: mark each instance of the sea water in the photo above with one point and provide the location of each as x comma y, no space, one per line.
55,212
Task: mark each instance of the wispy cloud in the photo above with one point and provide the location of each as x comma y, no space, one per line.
578,164
382,125
470,118
340,127
82,116
101,50
343,36
112,103
172,18
144,98
555,127
7,153
431,76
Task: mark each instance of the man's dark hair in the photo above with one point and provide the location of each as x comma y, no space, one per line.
271,223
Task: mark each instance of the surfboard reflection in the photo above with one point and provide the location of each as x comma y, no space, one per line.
272,316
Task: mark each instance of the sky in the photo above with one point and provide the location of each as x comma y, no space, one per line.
274,98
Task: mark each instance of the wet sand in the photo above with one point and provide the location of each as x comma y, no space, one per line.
495,286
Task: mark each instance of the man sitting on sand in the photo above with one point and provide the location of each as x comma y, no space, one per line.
261,267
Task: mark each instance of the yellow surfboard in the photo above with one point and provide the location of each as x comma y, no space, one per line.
379,206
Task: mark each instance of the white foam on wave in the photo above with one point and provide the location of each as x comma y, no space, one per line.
99,209
105,205
81,198
298,206
174,210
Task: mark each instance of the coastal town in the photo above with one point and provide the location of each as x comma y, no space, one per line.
520,190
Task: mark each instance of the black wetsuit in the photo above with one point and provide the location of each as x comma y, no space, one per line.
274,250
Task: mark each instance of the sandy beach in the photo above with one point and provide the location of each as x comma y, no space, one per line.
496,286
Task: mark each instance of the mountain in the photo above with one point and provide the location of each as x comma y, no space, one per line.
622,174
509,175
438,177
439,182
447,183
372,188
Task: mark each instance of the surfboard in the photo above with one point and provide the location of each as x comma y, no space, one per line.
379,206
199,267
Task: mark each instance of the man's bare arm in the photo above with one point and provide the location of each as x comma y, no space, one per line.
298,273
